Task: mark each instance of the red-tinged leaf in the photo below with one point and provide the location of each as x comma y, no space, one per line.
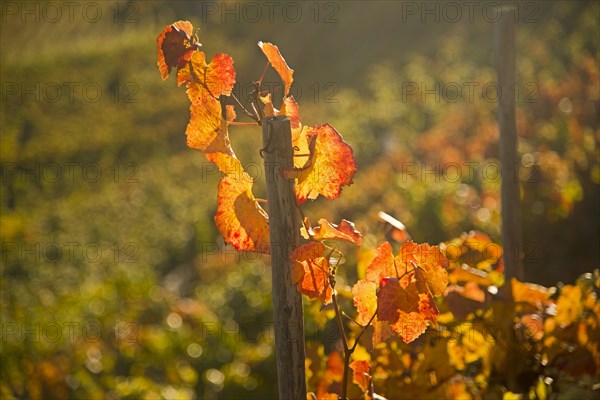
344,231
333,375
278,63
365,300
382,265
240,219
310,271
429,259
330,165
207,130
290,109
404,308
172,44
361,376
335,365
381,331
206,81
393,297
406,287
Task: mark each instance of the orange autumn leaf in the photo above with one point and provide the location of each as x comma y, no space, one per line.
334,373
429,259
335,365
269,110
470,290
279,64
226,163
290,109
361,375
427,307
330,165
405,287
240,219
365,300
324,396
310,271
302,150
172,44
464,273
207,130
381,331
230,114
404,308
382,265
326,230
536,295
206,80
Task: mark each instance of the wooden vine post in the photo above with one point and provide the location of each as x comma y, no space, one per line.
504,44
284,227
504,48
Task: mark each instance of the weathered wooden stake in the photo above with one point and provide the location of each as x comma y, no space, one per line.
284,227
504,45
504,48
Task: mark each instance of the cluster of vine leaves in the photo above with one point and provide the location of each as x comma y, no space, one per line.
397,294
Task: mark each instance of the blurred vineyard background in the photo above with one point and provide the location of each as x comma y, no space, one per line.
115,282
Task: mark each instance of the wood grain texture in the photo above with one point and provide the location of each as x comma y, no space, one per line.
504,46
284,227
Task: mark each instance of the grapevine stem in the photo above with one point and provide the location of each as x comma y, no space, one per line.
348,351
248,113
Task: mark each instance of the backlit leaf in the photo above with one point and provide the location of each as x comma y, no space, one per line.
468,274
226,163
405,287
365,300
382,265
278,63
310,271
361,376
430,260
206,80
533,294
290,109
330,165
344,231
399,305
172,44
207,130
240,219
